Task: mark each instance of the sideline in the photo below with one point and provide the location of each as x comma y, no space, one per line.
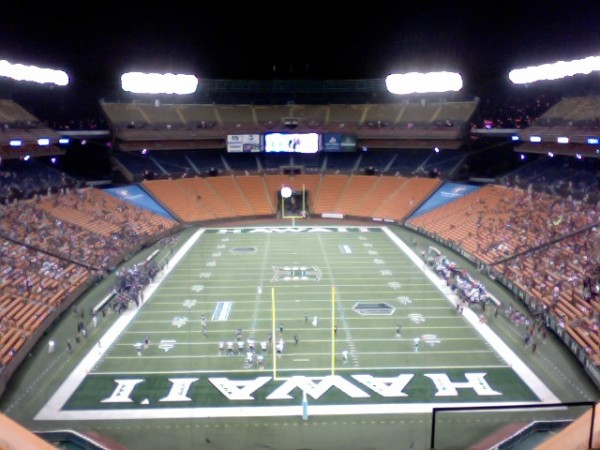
53,407
522,370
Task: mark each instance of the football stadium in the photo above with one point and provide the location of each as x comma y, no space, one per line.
241,271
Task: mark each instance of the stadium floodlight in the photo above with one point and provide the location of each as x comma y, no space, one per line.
156,83
15,143
555,71
21,72
423,83
593,140
43,142
535,139
64,140
562,140
515,138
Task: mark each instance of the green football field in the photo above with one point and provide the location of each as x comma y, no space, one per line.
345,306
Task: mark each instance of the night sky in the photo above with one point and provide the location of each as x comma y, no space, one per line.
97,41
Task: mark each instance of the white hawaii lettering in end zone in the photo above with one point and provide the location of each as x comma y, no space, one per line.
235,390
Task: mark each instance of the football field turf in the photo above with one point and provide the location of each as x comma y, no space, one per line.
345,305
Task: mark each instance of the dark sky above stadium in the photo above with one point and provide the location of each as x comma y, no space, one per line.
97,41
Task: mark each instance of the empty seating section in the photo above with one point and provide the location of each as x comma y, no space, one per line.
346,162
11,112
586,114
172,163
408,162
343,118
124,115
233,117
330,191
183,203
572,111
443,163
272,162
403,200
310,115
207,196
242,162
257,195
458,113
272,115
205,160
164,116
137,163
420,114
229,193
385,115
357,187
129,117
378,160
309,162
210,118
376,196
198,116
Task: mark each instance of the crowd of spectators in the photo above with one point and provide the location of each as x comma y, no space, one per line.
130,284
53,244
26,180
516,111
559,176
468,290
132,280
547,246
85,225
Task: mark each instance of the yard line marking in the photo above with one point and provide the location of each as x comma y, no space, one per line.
407,352
215,371
257,298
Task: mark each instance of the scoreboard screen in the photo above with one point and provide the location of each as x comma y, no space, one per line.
244,143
